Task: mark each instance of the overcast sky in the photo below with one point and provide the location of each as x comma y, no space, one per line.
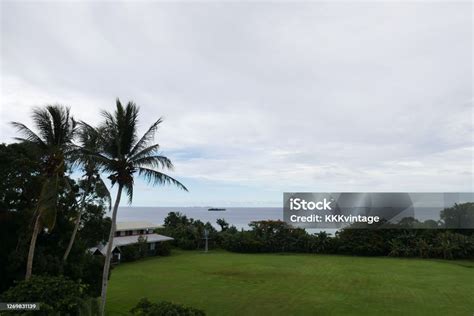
264,98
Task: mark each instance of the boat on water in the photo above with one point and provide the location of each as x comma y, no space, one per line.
216,209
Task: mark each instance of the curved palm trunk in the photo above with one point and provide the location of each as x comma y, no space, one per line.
108,256
73,236
76,225
31,251
48,194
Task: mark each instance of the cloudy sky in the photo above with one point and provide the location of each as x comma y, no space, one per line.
262,98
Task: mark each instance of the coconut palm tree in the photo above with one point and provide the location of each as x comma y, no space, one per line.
91,181
124,156
55,132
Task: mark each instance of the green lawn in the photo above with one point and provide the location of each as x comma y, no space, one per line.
223,283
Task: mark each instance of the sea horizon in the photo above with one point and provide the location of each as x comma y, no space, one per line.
239,216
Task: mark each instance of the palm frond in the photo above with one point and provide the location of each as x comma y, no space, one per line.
102,161
155,177
121,155
146,138
101,187
59,120
154,162
55,125
120,129
146,152
42,121
109,119
87,134
29,135
128,128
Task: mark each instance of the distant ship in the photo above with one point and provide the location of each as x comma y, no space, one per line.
215,209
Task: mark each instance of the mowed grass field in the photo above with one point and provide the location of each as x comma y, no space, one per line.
223,283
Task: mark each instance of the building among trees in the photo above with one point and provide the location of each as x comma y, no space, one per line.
132,233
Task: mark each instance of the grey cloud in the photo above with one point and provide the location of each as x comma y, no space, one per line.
351,92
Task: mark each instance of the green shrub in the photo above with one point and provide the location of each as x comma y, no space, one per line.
277,236
187,244
163,249
188,233
243,242
450,245
141,250
56,294
147,308
129,253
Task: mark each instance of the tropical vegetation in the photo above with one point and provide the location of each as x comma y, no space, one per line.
277,236
122,155
48,219
53,140
146,308
55,295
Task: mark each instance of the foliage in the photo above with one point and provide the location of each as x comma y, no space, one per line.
162,249
56,294
55,130
135,251
146,308
458,216
188,233
19,187
363,242
19,176
91,183
223,224
42,195
277,236
123,155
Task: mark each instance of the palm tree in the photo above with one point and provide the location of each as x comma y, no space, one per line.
91,182
56,129
123,156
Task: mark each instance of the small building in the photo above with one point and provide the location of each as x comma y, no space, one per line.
128,233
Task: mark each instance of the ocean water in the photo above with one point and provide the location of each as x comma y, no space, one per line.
240,217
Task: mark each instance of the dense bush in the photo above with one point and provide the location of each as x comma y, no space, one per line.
20,181
142,249
56,294
147,308
188,233
135,251
129,253
458,216
162,249
363,242
277,236
242,242
443,244
268,236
